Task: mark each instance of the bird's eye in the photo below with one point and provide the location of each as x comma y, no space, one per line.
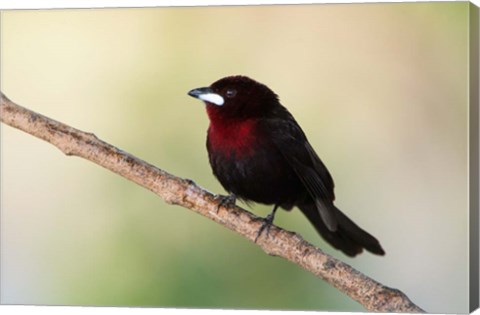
230,93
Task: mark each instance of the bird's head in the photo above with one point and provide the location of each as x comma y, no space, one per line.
236,97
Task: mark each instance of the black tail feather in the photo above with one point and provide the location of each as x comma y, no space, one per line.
349,237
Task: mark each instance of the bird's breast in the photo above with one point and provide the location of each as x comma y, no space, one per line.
238,138
247,164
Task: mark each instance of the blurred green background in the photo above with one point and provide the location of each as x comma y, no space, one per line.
379,89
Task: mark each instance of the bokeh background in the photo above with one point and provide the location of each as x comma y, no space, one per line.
379,89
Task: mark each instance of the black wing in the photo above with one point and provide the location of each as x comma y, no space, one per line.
290,140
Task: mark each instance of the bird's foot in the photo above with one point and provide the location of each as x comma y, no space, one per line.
226,201
267,223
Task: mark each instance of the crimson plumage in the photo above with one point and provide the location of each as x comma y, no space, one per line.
259,153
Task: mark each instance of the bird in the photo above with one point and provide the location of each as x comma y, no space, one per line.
258,152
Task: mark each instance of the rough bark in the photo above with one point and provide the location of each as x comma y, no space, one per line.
183,192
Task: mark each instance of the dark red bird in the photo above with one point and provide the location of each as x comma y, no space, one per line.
258,152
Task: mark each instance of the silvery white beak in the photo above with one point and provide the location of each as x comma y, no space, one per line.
206,94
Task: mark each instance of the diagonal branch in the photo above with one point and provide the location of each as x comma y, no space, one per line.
183,192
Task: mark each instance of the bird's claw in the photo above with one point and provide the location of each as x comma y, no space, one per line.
267,224
226,201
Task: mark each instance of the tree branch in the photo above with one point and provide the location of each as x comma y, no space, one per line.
184,192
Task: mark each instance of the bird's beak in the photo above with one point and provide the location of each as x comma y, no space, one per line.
207,95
